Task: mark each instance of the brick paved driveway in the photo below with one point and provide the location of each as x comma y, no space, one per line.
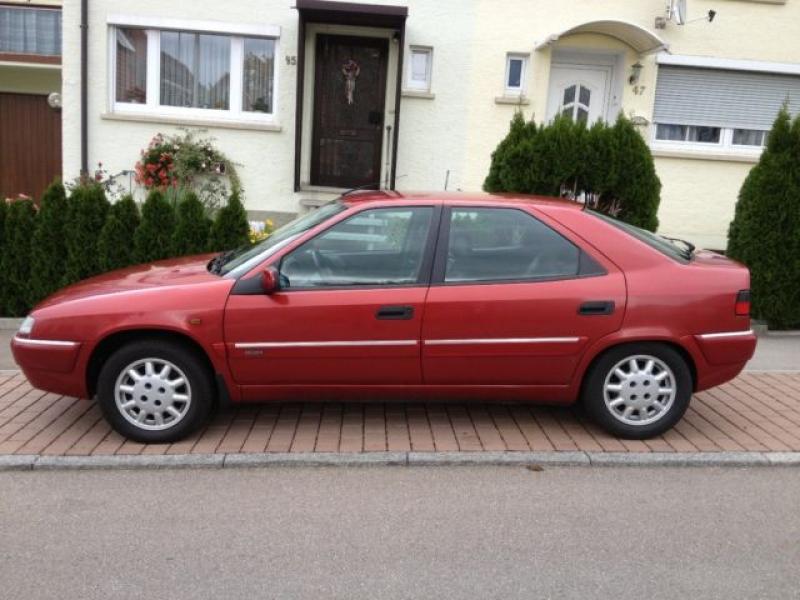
755,412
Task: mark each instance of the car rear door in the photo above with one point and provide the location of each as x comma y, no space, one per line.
349,308
513,300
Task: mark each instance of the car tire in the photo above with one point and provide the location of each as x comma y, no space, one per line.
638,391
155,391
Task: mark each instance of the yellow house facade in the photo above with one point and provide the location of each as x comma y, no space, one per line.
312,97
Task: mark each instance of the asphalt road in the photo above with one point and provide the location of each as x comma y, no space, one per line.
397,532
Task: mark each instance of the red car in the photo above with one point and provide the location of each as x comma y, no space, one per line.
380,294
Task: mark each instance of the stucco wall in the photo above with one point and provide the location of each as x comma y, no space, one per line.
457,129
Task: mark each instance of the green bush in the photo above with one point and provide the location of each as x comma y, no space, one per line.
115,243
192,229
3,211
231,228
86,215
153,237
611,163
765,231
49,247
15,263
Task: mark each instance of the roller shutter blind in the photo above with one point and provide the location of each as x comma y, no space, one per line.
722,98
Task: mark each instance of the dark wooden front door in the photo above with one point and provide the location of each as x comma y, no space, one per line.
30,144
349,99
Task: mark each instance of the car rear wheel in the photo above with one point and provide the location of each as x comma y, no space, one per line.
155,392
638,390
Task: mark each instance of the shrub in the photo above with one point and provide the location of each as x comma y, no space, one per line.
86,215
3,210
115,243
611,164
49,247
153,237
16,261
231,228
765,231
192,229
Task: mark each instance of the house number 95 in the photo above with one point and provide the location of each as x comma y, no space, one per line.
291,60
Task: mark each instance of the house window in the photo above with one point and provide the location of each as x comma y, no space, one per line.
419,69
516,65
194,74
709,110
30,30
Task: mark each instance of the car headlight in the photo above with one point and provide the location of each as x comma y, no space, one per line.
27,326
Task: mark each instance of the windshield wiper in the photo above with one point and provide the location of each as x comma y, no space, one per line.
215,264
689,245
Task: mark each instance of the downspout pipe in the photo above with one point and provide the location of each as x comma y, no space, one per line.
84,87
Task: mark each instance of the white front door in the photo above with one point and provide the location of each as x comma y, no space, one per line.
579,92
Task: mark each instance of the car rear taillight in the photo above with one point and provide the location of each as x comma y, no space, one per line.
743,303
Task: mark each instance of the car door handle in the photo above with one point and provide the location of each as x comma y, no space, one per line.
601,307
395,313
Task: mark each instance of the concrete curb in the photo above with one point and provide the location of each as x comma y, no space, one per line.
411,459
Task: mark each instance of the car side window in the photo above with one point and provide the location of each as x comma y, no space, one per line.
378,247
502,244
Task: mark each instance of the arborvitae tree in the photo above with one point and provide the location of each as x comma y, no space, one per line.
153,237
191,232
765,232
115,243
49,245
637,187
86,215
3,210
231,228
16,260
612,162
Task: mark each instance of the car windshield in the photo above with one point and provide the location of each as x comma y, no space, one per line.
676,249
243,259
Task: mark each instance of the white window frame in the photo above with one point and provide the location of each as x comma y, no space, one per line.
417,86
152,106
725,144
523,78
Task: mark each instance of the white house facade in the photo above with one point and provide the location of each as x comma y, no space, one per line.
311,97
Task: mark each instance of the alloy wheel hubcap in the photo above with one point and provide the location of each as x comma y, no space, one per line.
152,394
639,390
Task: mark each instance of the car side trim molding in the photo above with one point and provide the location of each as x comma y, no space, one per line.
30,342
725,334
326,344
536,340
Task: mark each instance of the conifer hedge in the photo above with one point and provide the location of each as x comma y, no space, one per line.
153,237
765,231
610,161
192,229
77,235
15,262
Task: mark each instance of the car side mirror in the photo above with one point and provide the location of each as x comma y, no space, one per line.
270,280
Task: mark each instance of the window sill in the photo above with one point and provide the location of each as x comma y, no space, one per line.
418,94
721,155
515,100
201,122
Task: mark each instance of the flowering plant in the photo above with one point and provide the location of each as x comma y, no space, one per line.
186,162
260,230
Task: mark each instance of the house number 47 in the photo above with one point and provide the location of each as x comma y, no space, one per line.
291,60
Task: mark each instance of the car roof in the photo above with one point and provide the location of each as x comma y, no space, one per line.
382,196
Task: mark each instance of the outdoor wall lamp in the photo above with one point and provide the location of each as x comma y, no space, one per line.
636,70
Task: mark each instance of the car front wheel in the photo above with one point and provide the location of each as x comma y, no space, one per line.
155,391
638,391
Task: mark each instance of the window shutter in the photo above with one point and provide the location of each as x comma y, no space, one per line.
722,98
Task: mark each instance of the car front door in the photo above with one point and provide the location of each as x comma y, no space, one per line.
348,310
513,301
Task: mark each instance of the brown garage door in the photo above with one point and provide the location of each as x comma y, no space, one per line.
30,144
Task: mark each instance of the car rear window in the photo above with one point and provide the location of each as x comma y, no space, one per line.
655,241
